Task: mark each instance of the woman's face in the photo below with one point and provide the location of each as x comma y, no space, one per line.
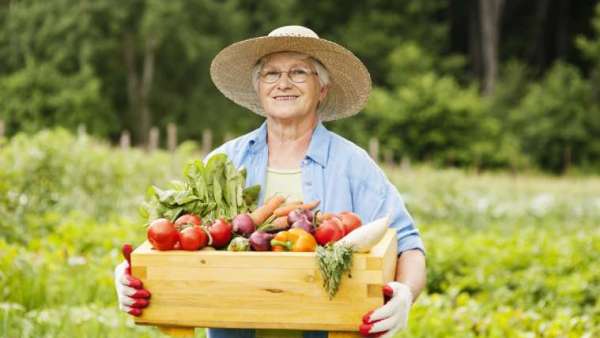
285,99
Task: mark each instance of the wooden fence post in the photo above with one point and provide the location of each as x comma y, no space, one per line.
405,165
154,139
81,130
171,137
388,156
206,141
125,140
374,149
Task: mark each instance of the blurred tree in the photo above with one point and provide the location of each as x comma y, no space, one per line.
130,65
557,120
427,116
47,69
490,14
590,47
53,99
373,29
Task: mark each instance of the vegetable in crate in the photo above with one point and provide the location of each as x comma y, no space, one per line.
221,232
265,211
336,258
333,261
305,225
296,240
187,219
275,225
350,221
329,231
302,218
239,244
299,214
287,208
243,225
213,190
193,238
162,234
261,241
367,236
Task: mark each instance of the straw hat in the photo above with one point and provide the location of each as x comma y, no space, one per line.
350,82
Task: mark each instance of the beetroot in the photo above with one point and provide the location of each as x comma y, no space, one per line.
261,241
243,225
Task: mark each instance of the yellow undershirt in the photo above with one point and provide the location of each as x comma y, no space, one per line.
286,182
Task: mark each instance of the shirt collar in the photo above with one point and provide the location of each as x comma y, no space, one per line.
318,150
258,139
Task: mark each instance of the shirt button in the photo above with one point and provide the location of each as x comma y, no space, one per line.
308,183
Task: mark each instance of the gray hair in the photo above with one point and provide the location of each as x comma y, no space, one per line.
322,72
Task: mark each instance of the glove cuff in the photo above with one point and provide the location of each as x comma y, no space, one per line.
401,289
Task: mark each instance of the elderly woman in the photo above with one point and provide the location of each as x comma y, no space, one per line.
297,80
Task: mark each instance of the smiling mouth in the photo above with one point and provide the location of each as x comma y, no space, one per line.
285,98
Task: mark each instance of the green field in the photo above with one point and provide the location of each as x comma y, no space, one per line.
508,256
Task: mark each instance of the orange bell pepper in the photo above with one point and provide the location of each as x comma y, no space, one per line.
295,240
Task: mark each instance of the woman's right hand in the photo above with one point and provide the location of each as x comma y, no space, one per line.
132,296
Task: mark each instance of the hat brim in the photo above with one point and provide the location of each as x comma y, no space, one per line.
350,82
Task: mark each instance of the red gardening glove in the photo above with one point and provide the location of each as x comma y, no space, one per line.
132,296
392,317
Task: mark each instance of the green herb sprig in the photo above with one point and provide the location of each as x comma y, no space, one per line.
334,261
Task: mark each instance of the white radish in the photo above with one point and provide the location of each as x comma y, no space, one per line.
365,237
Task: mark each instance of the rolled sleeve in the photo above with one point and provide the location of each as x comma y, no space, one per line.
382,198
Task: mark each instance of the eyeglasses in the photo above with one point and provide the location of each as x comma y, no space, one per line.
296,75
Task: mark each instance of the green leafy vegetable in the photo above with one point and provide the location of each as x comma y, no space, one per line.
210,191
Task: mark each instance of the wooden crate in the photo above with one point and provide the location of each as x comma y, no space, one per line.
267,290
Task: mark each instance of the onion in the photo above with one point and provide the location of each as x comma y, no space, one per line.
243,225
261,241
305,225
298,214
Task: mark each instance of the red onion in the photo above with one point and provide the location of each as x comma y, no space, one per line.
305,225
298,214
261,241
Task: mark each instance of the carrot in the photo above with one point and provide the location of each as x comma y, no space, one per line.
260,214
280,222
291,203
310,205
284,210
275,225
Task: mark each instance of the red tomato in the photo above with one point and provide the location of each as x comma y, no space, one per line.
162,234
187,219
220,232
193,238
350,221
330,230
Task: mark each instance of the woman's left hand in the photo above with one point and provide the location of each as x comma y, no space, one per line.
392,317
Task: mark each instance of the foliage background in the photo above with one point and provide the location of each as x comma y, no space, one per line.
114,66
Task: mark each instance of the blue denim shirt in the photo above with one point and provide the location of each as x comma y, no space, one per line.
336,172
